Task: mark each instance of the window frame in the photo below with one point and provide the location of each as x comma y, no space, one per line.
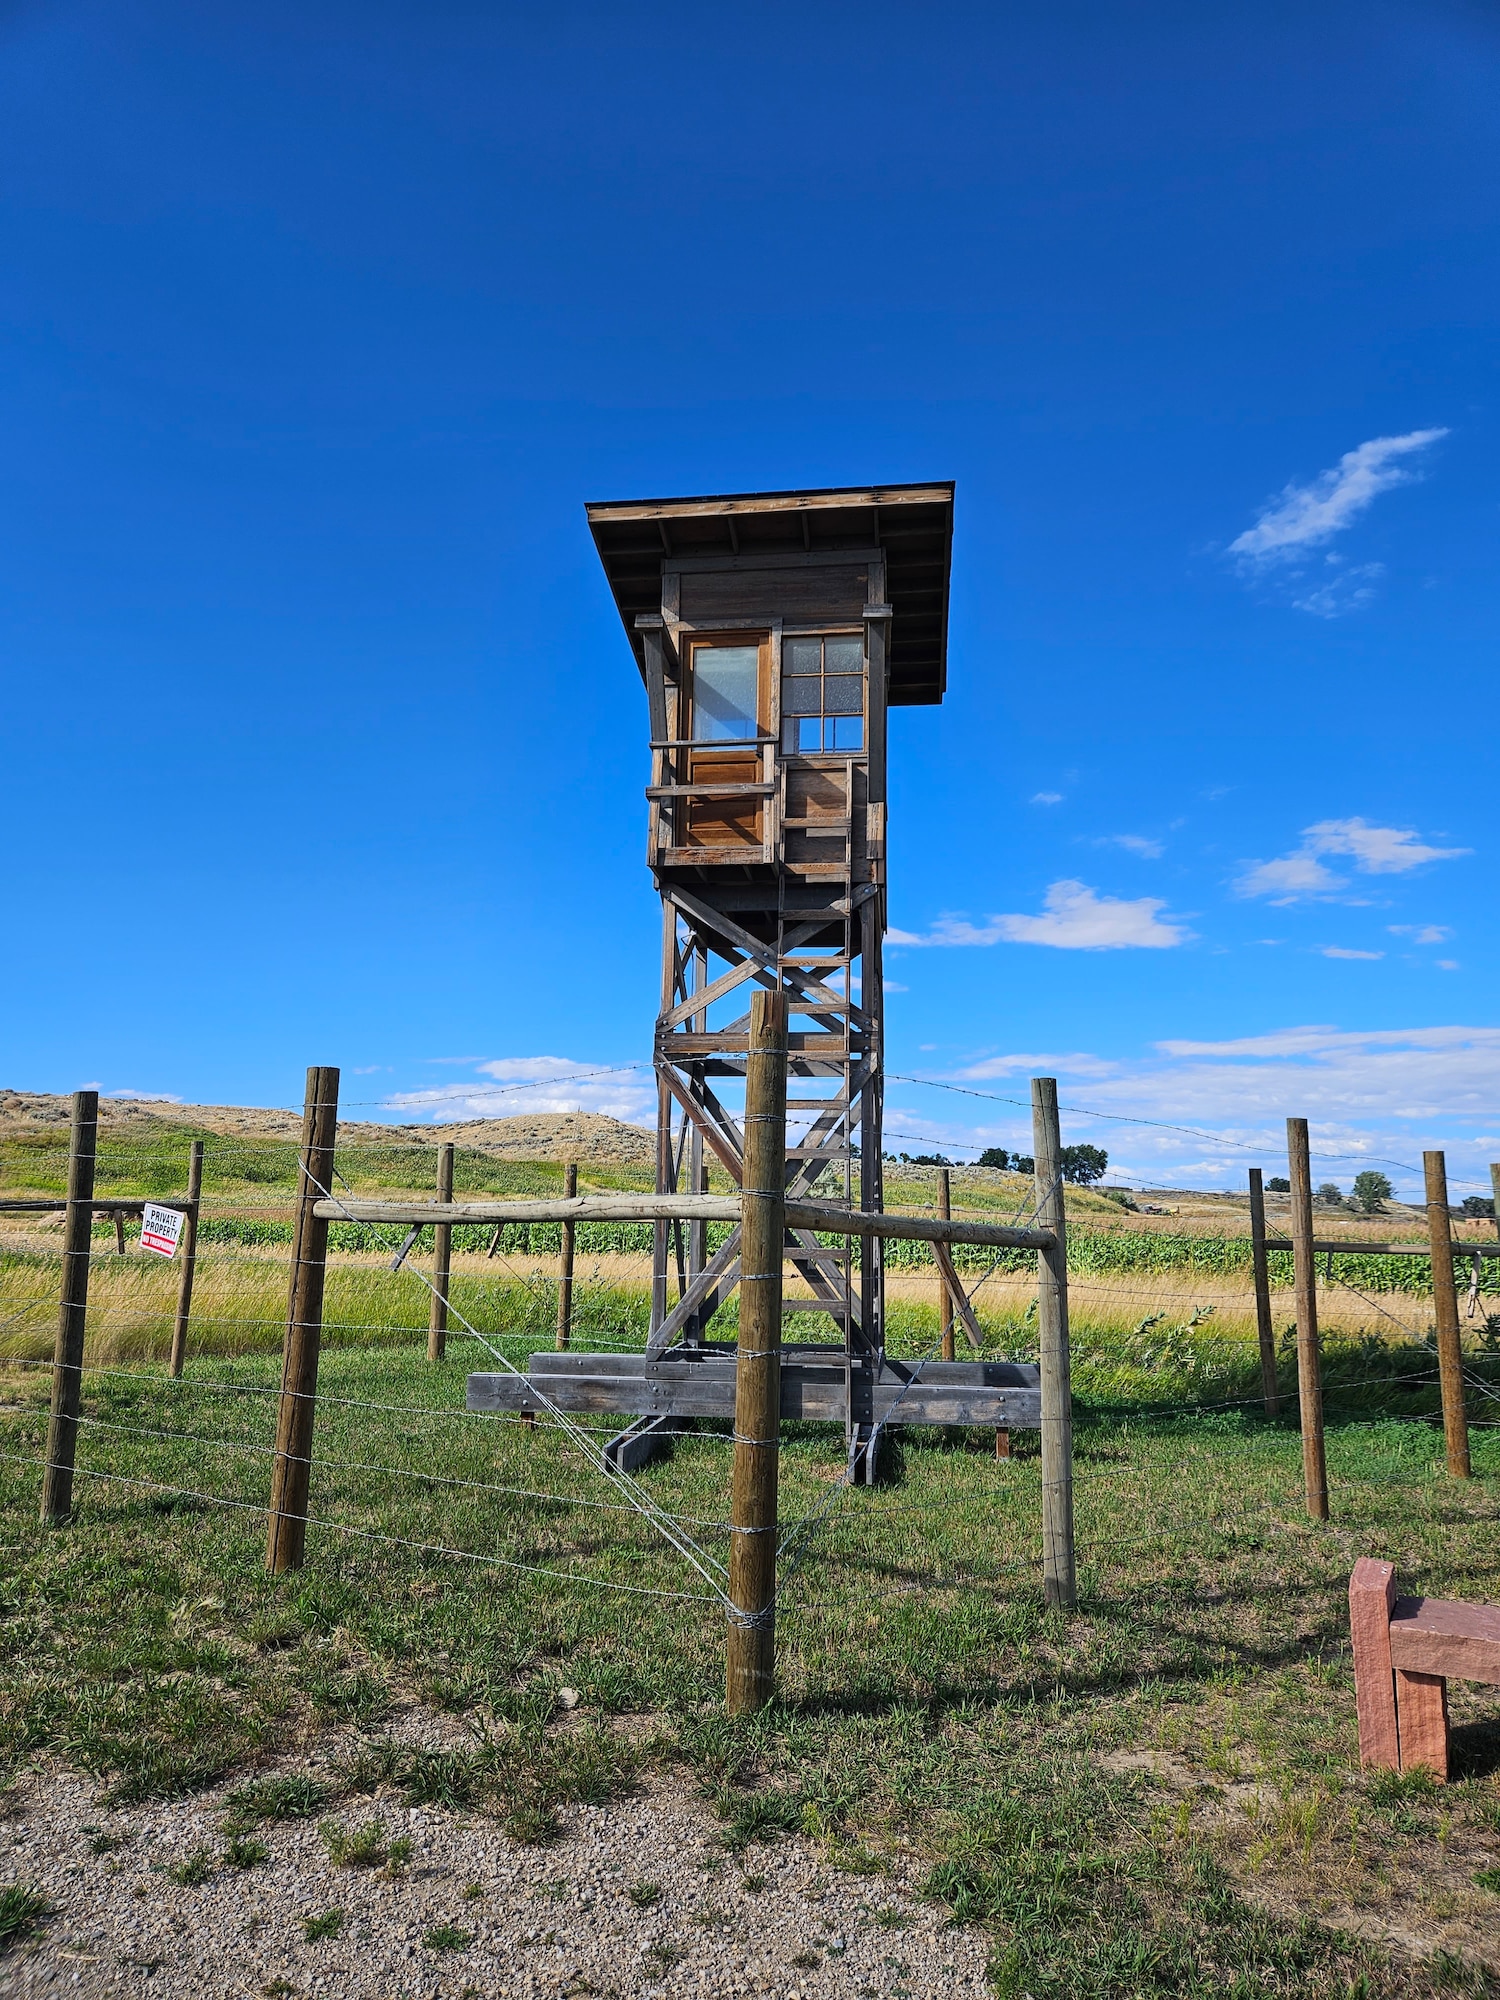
823,635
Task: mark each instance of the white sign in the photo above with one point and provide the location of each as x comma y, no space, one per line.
161,1228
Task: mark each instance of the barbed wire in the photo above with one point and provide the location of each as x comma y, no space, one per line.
374,1535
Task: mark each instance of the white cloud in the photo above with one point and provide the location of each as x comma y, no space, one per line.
1134,843
527,1085
1376,1096
1301,517
1377,850
1344,951
1046,798
894,986
1075,918
1448,965
1374,850
1285,880
1421,933
145,1096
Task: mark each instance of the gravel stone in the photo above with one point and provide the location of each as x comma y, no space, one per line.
548,1922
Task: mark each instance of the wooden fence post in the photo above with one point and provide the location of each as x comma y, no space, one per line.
1445,1301
442,1262
119,1221
1309,1366
287,1531
945,1297
565,1274
187,1250
1059,1575
72,1315
757,1377
1263,1323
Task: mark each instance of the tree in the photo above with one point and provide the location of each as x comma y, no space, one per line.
995,1156
1022,1163
1083,1165
1370,1190
1278,1184
1479,1204
1330,1192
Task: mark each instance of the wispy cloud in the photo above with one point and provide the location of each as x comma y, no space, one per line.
1134,843
1046,798
1371,1095
145,1096
1303,517
1421,933
1341,590
1347,951
1374,850
525,1085
1074,918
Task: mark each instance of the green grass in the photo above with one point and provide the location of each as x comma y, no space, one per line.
1159,1794
22,1911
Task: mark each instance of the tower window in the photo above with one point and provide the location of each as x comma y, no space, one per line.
823,694
725,684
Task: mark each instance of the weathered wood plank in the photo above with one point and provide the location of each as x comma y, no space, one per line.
686,1208
1433,1635
815,1395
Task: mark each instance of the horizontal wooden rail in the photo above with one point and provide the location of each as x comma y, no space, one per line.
684,1208
756,791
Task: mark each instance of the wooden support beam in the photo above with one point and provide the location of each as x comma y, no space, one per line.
1309,1364
1445,1306
442,1261
72,1315
751,1665
187,1250
1059,1574
954,1291
565,1267
945,1297
286,1536
1265,1331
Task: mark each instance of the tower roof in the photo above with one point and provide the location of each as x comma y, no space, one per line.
911,526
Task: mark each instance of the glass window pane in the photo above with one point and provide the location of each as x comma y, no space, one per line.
725,685
801,697
844,656
846,732
789,733
802,656
809,733
843,694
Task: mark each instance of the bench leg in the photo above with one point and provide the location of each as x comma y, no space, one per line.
1372,1592
1422,1711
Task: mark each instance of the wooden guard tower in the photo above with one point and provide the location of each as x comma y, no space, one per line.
773,632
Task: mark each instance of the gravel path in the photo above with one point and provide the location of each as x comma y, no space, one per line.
637,1898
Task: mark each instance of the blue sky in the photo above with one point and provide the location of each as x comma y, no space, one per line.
324,745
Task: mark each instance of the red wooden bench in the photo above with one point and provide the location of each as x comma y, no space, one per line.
1405,1651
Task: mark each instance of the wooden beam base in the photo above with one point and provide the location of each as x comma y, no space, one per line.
687,1383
